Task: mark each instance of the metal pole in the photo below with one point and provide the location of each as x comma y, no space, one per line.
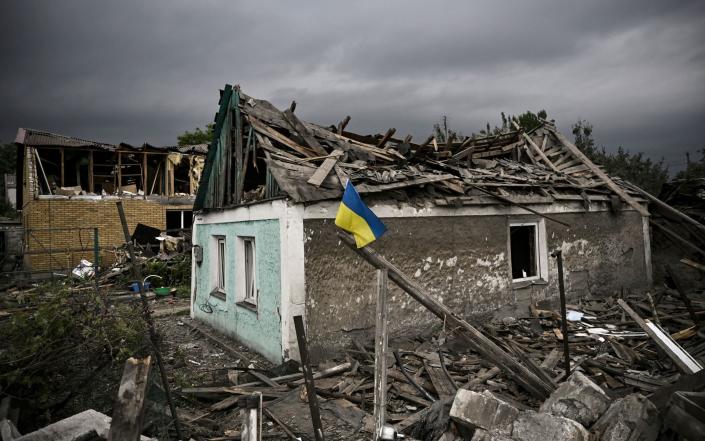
558,254
308,377
153,337
380,391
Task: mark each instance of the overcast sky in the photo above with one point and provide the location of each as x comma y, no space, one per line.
139,71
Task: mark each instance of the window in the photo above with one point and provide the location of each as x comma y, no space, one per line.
220,264
528,251
247,270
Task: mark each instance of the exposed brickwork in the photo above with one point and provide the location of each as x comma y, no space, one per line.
102,213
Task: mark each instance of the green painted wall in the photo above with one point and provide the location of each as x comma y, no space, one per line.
260,329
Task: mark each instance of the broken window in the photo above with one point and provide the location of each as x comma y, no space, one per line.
247,270
524,242
220,264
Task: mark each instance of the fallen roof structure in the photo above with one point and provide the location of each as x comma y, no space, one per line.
309,162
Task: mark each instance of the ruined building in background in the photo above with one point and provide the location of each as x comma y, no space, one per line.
68,187
473,220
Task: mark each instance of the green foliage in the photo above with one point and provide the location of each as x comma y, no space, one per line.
527,120
60,342
694,170
198,136
633,167
174,272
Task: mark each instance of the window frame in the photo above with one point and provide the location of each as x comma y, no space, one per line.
220,268
540,249
248,296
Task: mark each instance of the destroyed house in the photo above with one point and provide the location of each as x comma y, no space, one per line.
69,189
474,221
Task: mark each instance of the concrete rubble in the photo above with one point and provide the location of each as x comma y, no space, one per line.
539,426
632,418
578,399
483,411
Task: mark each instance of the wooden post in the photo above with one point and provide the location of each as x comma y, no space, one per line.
558,254
153,336
476,339
380,398
308,378
91,182
129,408
119,173
62,174
144,173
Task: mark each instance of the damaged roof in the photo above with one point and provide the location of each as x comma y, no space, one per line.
38,138
308,162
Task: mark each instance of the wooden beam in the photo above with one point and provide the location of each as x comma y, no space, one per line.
62,174
600,174
663,340
298,126
128,411
308,377
387,136
676,237
119,173
668,209
380,391
144,173
693,264
239,157
536,148
325,168
475,339
91,178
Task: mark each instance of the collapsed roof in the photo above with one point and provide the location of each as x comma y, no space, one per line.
260,152
39,138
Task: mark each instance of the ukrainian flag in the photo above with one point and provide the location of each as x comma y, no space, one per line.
354,217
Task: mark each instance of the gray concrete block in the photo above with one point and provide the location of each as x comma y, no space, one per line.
539,426
633,418
483,435
579,399
483,410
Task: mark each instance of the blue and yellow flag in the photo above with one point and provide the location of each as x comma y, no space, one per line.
354,217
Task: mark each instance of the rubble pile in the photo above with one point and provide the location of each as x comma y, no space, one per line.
612,392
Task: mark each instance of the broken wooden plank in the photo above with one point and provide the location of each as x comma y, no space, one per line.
476,339
325,168
298,126
308,378
536,148
599,173
380,385
128,411
680,356
667,208
693,264
369,188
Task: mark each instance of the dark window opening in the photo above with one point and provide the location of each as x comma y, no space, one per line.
523,249
255,178
177,220
2,244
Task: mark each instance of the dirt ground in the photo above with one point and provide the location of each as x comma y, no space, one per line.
192,360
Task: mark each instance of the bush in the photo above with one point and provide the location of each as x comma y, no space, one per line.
60,343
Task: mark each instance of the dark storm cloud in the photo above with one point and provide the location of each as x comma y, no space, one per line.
136,71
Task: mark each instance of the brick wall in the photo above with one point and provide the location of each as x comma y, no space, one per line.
101,213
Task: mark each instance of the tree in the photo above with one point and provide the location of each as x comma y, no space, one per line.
198,136
8,164
633,167
694,170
